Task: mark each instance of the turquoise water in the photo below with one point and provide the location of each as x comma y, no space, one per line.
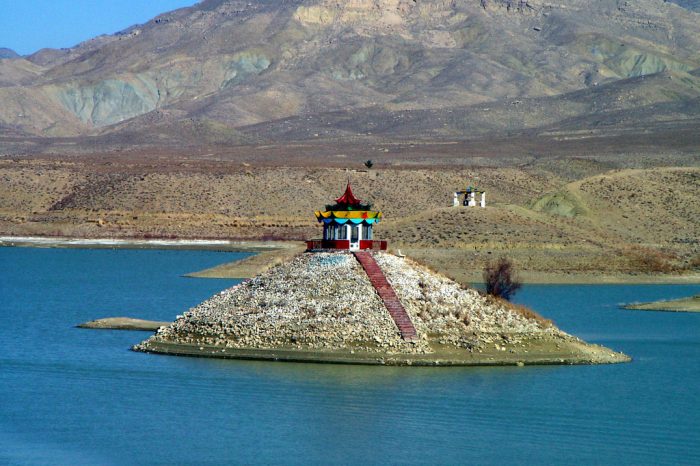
73,396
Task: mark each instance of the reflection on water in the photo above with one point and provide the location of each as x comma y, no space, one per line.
73,396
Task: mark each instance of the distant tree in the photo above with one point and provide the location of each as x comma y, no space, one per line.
369,164
500,279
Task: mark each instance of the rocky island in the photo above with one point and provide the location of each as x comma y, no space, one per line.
323,307
346,300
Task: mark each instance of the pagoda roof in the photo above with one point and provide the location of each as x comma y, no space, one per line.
348,201
348,197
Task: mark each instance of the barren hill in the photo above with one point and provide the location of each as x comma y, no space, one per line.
234,72
568,217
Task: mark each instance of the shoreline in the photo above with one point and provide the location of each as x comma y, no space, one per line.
133,243
534,351
573,352
277,249
553,278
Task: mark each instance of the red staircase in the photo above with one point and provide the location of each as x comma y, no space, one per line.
388,295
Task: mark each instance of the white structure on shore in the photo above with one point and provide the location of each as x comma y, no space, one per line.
469,197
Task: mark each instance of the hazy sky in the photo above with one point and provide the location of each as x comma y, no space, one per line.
29,25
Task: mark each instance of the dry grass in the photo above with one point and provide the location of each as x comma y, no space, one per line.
178,198
530,314
649,260
522,310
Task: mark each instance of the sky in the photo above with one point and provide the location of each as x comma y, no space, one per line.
29,25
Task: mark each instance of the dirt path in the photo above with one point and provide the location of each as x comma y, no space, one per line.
253,265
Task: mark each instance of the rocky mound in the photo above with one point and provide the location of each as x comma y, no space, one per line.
323,307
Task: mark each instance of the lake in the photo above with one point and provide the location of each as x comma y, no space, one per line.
75,396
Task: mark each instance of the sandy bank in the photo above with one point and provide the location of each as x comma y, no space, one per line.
584,278
282,251
253,265
123,323
271,253
690,304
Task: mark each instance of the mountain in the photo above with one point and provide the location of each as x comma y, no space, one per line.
7,53
693,5
234,72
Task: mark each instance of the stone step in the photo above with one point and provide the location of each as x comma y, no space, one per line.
388,295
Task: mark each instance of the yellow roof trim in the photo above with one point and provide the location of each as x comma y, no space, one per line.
348,214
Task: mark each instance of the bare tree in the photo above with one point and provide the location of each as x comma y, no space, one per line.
500,279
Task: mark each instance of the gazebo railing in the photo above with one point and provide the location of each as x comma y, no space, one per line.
320,244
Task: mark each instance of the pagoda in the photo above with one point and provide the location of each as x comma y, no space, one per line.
347,224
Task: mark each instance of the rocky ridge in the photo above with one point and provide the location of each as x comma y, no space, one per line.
203,73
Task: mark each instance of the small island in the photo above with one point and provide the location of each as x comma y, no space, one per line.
123,323
347,300
689,304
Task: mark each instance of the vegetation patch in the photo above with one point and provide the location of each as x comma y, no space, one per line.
562,203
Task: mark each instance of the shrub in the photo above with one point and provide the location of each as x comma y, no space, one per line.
694,263
500,279
369,164
644,259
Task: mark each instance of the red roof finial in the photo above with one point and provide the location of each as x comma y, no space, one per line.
348,197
